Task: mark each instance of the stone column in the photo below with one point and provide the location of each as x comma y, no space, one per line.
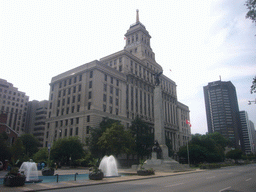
159,121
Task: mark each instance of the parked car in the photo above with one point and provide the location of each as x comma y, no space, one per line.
1,165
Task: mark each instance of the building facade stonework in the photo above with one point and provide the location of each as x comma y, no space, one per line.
14,104
119,86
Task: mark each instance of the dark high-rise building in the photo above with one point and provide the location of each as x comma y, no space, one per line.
222,111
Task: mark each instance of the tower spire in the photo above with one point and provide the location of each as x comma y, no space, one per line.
137,16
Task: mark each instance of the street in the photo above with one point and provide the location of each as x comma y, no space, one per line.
238,178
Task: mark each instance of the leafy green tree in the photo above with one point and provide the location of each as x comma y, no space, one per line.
96,133
18,151
116,140
4,148
30,143
251,6
234,154
205,148
144,138
41,155
66,148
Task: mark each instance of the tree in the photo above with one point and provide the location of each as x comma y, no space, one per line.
18,151
251,14
4,149
205,148
41,155
30,143
115,140
234,154
96,133
253,87
65,148
144,137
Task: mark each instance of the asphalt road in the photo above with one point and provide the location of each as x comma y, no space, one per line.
240,178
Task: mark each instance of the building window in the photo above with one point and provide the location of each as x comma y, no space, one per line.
116,102
74,89
104,97
64,92
66,122
71,121
79,87
71,131
104,108
87,129
76,130
78,98
88,118
110,109
110,99
69,82
91,74
90,84
74,79
59,94
116,111
111,80
105,87
117,82
66,132
77,120
111,90
117,92
78,108
68,101
89,105
80,77
69,91
73,109
106,77
74,99
90,95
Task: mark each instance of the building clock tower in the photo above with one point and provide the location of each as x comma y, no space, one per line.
138,41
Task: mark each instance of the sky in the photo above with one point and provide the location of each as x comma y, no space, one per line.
198,40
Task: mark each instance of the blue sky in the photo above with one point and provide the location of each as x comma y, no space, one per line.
198,40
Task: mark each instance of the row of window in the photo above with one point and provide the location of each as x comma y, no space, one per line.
116,112
13,98
12,92
111,80
66,82
135,37
13,103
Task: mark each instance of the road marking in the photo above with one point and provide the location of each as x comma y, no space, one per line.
224,189
211,177
248,179
174,185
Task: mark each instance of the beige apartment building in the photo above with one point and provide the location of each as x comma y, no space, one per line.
119,86
14,103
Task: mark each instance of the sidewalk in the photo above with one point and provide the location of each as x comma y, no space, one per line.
79,183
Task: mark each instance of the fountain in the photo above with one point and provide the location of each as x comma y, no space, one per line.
30,171
108,166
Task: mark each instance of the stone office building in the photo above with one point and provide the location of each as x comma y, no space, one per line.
119,86
14,104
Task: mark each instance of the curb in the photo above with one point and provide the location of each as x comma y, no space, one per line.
72,184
